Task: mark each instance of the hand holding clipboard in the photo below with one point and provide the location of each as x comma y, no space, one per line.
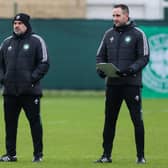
109,69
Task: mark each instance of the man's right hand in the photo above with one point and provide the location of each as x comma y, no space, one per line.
2,82
101,73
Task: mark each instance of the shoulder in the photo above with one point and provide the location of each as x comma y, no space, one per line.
108,31
38,41
37,37
6,41
139,32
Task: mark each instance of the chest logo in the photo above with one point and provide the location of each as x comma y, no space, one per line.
111,39
127,39
9,48
26,46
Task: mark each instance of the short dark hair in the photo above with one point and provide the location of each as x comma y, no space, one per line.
123,7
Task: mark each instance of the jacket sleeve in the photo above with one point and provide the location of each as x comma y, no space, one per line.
102,52
42,61
142,53
1,65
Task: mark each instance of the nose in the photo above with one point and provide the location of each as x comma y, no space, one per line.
115,19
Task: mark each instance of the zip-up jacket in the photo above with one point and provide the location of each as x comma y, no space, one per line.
23,63
125,47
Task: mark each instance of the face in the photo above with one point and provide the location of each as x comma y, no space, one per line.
19,28
120,17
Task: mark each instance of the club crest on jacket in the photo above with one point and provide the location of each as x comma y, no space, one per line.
26,46
127,39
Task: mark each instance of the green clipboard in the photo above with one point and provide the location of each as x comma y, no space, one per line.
108,68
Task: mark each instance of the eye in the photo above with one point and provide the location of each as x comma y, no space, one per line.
117,15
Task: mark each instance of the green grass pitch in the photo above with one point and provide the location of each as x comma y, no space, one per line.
73,126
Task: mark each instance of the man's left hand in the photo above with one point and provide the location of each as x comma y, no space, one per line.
127,72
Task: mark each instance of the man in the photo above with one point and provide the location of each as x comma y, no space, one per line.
23,63
126,47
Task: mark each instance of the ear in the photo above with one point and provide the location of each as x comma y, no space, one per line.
127,15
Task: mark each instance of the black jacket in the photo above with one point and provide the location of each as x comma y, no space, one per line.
125,46
23,62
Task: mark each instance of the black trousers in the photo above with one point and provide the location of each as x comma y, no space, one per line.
114,97
12,109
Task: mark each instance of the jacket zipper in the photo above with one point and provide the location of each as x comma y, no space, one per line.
118,47
16,56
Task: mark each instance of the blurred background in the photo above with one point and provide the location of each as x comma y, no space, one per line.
73,30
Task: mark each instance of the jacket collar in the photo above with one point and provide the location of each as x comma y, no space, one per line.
125,27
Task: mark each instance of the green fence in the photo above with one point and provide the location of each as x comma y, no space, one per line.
73,44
